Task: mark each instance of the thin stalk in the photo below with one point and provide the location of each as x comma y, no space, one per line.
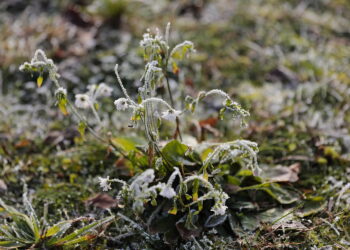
177,131
95,113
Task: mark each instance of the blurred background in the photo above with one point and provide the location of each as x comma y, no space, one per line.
287,62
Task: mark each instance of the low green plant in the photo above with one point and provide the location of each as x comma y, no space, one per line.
25,230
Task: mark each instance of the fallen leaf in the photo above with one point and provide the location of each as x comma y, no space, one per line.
23,143
103,201
283,173
291,225
212,121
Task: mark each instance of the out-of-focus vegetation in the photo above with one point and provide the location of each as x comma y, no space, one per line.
287,62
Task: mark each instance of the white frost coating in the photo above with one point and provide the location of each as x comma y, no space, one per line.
121,84
156,100
105,183
231,150
168,192
188,44
121,104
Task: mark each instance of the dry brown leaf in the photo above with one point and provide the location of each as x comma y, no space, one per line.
103,201
284,174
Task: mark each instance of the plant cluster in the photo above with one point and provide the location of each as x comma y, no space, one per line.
175,181
26,230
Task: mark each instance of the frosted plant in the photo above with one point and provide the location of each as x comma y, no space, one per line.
89,99
239,149
41,64
28,231
228,104
140,190
218,195
174,175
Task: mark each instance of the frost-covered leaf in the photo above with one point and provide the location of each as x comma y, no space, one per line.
81,128
81,232
311,206
215,220
282,195
181,50
58,230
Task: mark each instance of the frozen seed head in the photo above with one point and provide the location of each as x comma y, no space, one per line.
104,183
121,104
170,115
82,101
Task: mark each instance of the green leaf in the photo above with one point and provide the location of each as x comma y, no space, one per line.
81,128
195,190
63,108
235,225
215,220
274,215
278,193
39,81
62,102
10,244
245,172
96,105
174,153
233,180
252,221
58,228
127,144
311,206
84,238
244,206
181,50
82,231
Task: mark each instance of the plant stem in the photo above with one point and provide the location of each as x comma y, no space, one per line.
177,131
